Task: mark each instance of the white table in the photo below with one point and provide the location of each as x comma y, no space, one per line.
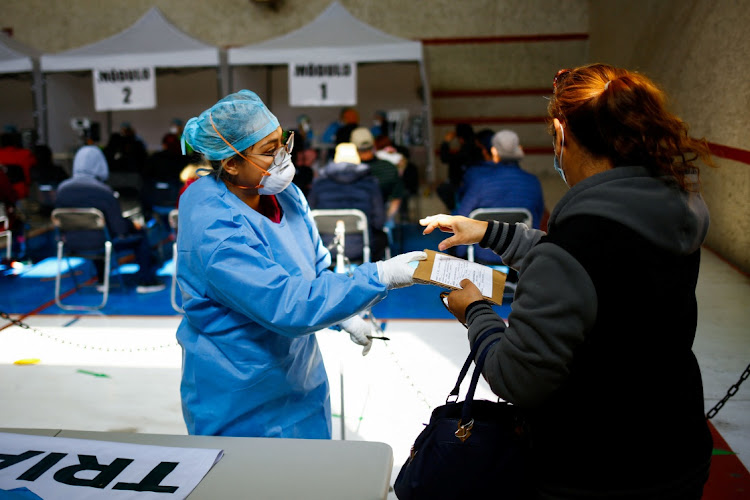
262,468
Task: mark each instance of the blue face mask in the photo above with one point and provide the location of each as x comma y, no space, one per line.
558,163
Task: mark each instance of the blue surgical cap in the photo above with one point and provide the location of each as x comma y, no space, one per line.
241,118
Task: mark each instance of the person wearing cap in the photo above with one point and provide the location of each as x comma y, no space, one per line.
391,186
255,283
500,183
347,183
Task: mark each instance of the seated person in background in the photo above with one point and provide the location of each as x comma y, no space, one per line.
191,173
380,124
47,175
500,183
86,189
484,137
18,161
459,150
303,157
347,183
339,131
401,157
126,156
391,186
125,151
161,176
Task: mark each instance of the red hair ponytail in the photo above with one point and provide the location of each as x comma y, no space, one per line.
622,115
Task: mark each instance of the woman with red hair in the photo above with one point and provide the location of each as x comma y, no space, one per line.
598,347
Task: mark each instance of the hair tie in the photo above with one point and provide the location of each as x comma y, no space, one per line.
606,85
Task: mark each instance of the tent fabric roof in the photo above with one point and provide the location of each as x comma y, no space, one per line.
334,35
151,41
16,57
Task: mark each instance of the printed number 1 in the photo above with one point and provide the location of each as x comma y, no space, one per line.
324,91
127,91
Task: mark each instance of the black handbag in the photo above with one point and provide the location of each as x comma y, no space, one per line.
470,450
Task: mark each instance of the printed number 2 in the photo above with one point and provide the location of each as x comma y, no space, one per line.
323,91
127,91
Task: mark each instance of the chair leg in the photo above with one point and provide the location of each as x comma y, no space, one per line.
8,243
72,272
58,277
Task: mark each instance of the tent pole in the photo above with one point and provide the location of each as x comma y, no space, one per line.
427,106
269,86
224,75
39,101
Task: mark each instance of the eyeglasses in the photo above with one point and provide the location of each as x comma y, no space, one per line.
280,154
558,78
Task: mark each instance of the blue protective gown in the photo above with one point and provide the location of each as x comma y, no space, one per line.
254,293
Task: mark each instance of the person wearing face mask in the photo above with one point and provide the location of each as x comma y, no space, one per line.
586,377
255,283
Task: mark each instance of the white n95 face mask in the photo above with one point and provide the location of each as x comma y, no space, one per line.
279,177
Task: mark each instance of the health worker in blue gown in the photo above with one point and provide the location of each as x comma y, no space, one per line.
256,286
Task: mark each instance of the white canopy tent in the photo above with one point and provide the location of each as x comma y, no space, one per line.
16,58
150,41
337,35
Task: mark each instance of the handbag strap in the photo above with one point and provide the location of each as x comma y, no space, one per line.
470,358
466,410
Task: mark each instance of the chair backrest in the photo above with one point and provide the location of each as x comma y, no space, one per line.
164,194
78,219
46,194
173,217
86,227
355,222
510,215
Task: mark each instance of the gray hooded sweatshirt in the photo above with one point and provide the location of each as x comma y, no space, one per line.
87,189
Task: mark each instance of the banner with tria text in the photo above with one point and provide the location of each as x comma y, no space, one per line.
65,468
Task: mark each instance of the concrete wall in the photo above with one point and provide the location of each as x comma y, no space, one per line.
697,51
56,26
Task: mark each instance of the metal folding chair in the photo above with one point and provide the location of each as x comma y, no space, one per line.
338,222
509,215
353,221
6,233
68,223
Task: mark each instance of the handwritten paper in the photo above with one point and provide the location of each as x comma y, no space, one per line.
452,270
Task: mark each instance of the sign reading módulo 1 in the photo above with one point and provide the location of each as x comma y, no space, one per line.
124,88
323,84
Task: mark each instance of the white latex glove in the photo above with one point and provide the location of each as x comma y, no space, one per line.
358,330
396,272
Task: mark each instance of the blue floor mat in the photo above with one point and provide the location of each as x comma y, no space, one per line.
32,289
419,302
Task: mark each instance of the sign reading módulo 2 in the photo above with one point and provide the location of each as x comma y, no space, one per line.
323,84
124,88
